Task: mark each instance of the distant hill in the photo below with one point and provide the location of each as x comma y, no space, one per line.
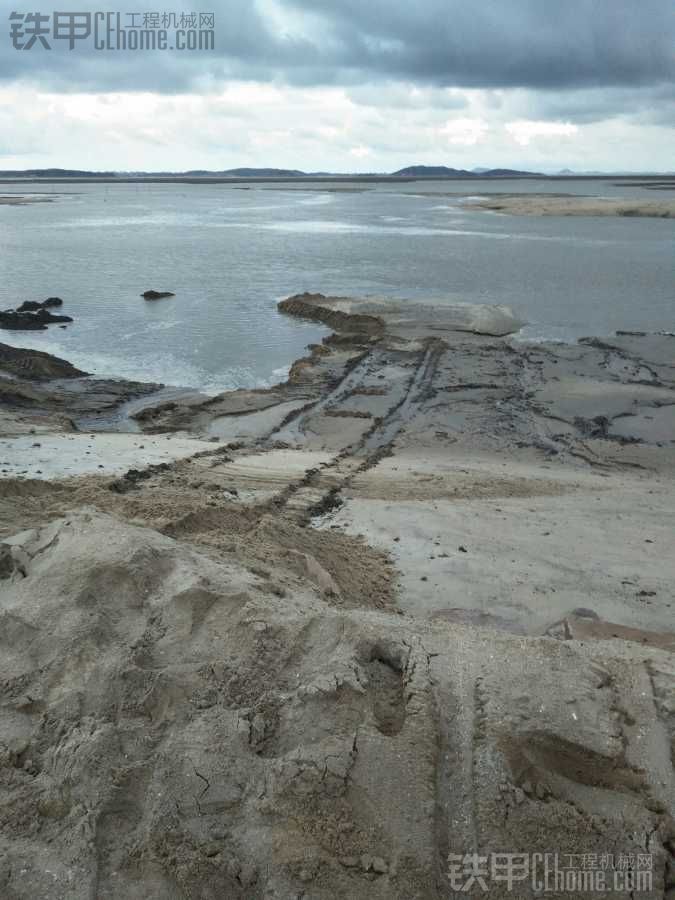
510,173
79,173
227,173
432,172
53,173
262,173
446,172
248,172
270,174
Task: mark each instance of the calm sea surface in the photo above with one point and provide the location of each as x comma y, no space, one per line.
229,252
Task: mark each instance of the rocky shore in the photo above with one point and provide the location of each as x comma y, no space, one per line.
414,604
40,392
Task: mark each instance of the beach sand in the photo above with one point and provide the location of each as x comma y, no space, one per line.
542,205
57,455
416,601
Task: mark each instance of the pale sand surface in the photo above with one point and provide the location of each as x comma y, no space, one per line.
541,205
528,560
50,456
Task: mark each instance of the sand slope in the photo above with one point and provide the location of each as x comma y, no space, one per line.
171,728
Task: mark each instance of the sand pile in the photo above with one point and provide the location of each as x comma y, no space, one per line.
173,727
415,604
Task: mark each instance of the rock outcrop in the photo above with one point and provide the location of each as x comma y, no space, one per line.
156,295
32,393
402,317
35,305
35,365
33,315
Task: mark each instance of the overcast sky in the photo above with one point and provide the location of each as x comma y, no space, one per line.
356,85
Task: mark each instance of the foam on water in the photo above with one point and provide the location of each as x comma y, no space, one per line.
319,200
158,368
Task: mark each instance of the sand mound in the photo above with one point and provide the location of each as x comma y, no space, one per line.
172,728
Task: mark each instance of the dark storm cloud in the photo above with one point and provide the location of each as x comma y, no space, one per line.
506,43
244,46
655,104
537,44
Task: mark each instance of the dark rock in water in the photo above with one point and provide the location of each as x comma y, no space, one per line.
43,315
156,295
15,320
35,305
32,315
29,306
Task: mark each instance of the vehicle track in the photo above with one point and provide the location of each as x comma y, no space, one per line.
319,490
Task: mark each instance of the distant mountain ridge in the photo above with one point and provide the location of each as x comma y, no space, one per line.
248,172
410,172
54,173
446,172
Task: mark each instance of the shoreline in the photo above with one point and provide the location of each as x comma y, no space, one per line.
418,598
549,413
556,417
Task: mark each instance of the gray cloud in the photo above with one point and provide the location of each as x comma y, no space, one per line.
649,104
540,44
506,43
577,60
